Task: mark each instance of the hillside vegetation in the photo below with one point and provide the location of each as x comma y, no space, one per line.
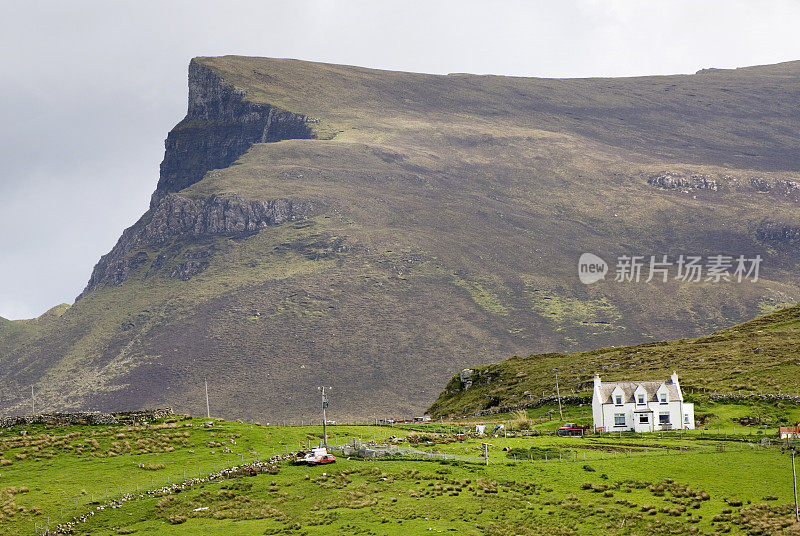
759,357
379,231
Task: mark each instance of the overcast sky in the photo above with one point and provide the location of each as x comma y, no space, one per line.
90,89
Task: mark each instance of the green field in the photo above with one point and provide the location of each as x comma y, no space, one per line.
701,482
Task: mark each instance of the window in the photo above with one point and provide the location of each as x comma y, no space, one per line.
644,418
618,400
663,398
663,417
686,419
619,419
640,399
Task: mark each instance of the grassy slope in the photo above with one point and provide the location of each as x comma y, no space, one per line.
18,333
695,119
759,355
53,474
452,211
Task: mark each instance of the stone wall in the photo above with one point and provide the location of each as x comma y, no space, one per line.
85,417
572,400
766,397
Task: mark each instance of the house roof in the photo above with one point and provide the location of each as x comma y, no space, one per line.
628,388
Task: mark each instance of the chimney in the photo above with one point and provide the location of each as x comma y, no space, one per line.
674,377
597,381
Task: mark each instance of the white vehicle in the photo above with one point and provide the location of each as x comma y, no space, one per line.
317,456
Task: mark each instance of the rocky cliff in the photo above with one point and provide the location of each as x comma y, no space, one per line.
186,219
219,127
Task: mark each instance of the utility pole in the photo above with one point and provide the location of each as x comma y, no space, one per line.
208,407
794,484
324,417
558,395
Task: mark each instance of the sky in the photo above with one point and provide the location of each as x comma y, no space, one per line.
90,89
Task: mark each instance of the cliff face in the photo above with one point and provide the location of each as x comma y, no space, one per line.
175,216
219,127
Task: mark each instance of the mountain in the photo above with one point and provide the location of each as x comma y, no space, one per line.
376,232
761,356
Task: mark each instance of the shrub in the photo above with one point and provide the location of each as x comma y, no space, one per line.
177,519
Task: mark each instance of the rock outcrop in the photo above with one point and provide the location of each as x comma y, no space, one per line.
779,186
178,216
769,231
219,127
86,417
670,181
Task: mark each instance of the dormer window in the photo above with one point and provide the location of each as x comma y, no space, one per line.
640,399
663,398
618,400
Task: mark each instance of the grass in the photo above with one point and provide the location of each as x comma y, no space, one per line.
614,111
674,483
565,313
485,298
69,468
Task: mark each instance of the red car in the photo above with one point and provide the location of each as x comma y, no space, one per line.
320,460
571,429
317,456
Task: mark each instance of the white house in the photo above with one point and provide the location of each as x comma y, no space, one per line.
646,406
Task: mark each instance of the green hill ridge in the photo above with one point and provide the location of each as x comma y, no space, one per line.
759,357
